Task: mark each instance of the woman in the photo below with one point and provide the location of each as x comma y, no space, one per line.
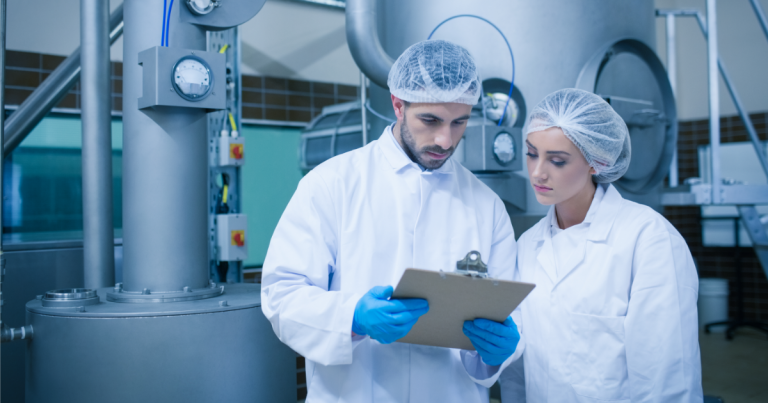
613,314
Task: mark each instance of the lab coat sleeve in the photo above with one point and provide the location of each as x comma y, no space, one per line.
501,265
305,315
661,328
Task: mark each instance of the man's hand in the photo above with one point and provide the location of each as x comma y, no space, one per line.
385,320
494,341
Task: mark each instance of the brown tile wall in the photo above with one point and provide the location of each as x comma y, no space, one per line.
719,261
264,98
284,99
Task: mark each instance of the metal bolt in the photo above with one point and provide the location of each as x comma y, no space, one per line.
145,291
186,289
223,303
80,309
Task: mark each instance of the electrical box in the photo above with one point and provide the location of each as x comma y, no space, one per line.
183,78
230,151
231,237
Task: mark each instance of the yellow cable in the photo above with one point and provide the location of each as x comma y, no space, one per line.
224,196
223,48
232,121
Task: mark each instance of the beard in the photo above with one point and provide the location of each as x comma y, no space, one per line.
420,156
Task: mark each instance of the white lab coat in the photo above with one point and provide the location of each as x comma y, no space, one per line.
358,221
619,323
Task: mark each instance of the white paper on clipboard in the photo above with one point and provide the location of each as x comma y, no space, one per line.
454,298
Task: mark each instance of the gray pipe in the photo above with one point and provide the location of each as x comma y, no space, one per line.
672,73
51,91
96,113
714,99
165,167
760,16
2,120
363,40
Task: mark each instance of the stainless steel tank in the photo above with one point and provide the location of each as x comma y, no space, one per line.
602,46
167,334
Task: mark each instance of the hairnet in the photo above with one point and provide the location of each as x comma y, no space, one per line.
435,71
592,125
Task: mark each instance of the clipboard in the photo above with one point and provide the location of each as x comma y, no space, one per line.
455,297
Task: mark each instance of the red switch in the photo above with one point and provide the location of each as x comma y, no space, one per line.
238,238
236,151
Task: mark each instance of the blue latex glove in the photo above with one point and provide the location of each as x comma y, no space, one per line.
386,320
494,341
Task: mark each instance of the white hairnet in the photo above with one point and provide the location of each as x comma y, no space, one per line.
592,125
435,71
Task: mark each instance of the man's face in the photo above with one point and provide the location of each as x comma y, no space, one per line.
429,133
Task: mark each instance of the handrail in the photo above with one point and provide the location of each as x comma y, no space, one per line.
754,138
22,121
760,16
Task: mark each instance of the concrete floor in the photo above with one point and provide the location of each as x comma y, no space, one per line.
734,370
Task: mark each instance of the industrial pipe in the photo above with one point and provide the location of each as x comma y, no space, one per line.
714,99
96,113
50,92
760,16
672,74
10,334
364,43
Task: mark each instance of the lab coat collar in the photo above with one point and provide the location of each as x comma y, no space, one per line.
397,157
600,217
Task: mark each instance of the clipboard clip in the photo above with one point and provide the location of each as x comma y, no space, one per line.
472,266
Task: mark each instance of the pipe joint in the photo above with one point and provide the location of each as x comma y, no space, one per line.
9,334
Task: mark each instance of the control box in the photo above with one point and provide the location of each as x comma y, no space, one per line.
230,151
231,237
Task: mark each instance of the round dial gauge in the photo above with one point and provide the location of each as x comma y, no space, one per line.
201,7
504,148
192,78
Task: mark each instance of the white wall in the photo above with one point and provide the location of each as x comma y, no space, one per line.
743,49
295,40
49,26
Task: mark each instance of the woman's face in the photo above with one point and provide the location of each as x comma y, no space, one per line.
557,169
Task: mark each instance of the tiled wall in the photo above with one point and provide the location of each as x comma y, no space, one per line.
264,98
719,261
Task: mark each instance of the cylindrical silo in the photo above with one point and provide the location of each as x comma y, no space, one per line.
555,45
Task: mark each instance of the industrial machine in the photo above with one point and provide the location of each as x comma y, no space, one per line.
167,332
524,51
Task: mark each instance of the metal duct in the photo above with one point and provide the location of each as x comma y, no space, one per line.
50,92
98,234
363,40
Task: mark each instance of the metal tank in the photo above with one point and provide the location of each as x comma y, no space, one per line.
167,333
601,46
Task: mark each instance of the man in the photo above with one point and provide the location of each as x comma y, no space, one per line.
357,221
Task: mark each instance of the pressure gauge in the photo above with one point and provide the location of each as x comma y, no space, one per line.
192,78
202,7
504,148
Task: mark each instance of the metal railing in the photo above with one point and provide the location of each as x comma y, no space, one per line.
708,26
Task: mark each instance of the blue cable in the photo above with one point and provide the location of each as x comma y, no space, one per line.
511,55
168,24
162,35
